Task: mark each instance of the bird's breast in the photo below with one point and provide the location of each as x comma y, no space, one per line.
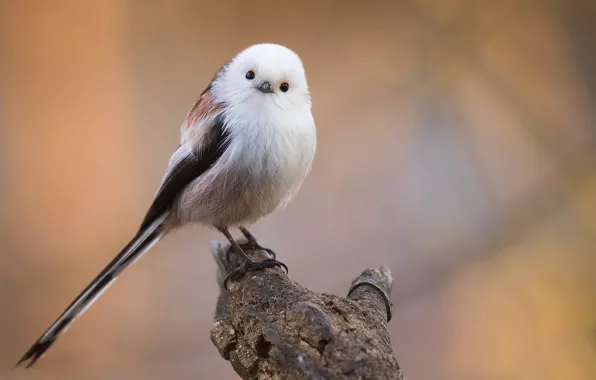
260,170
276,161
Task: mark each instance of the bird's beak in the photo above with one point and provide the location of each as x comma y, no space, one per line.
265,87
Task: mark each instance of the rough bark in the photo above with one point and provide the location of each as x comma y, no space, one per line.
270,327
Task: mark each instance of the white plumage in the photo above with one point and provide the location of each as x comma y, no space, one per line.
272,141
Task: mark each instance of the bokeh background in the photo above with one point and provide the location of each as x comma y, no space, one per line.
456,146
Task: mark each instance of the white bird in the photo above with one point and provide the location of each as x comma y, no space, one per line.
246,146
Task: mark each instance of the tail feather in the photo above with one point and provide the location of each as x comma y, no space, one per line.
129,254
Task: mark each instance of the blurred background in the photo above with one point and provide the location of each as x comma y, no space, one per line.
457,145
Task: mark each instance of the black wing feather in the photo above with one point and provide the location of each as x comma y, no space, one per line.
190,167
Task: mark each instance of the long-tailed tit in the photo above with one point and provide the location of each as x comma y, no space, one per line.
246,146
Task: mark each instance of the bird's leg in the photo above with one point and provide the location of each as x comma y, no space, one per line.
249,265
252,240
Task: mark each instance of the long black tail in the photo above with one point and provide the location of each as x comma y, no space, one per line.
144,239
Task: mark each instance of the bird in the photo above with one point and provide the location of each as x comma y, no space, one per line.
246,146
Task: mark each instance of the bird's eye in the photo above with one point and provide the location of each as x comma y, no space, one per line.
284,87
250,75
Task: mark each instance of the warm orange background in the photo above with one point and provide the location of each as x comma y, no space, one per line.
456,145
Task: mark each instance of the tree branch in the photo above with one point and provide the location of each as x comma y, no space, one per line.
270,327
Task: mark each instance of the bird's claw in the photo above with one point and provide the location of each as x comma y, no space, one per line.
268,250
252,244
250,266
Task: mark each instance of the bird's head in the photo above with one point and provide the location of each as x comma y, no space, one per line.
263,78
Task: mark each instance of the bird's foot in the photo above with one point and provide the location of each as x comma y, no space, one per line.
250,266
253,245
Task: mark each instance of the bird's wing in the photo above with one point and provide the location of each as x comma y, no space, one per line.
185,165
189,162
